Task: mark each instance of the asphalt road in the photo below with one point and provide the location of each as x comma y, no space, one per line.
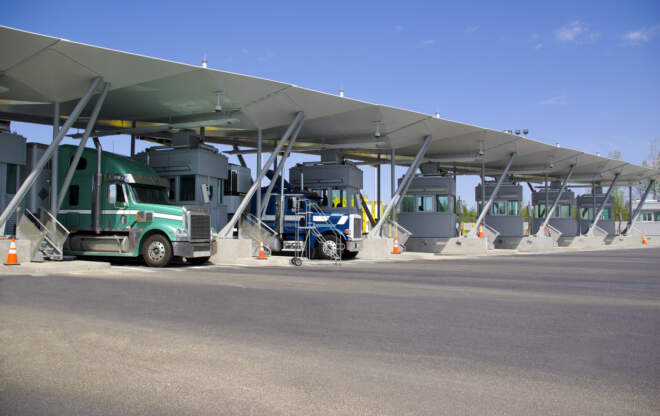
571,334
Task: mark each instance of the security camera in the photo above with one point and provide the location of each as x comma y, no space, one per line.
218,108
377,134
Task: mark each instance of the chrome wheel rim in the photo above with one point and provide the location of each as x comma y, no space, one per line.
330,248
156,251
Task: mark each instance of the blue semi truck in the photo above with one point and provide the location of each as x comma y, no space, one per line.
319,213
305,227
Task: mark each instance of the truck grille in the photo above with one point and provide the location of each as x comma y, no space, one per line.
357,227
200,227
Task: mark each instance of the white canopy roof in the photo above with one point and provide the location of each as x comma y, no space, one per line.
37,70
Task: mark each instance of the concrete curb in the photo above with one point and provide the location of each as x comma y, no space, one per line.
54,267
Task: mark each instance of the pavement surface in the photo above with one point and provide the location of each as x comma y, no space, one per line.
556,334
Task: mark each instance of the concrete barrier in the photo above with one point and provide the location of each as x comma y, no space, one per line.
465,245
534,244
232,251
377,248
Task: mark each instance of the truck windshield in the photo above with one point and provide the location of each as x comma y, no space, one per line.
149,194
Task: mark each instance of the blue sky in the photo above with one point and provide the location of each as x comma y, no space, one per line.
584,74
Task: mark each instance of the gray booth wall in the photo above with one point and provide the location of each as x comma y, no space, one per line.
568,226
506,225
206,165
587,201
430,224
12,168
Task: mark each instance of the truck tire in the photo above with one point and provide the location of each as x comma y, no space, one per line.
332,243
157,251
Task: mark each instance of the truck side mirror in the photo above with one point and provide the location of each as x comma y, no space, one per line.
112,193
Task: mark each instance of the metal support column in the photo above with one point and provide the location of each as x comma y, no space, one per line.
392,172
259,147
240,157
630,211
278,170
32,177
483,181
378,198
229,227
602,206
403,187
133,137
53,163
548,212
486,207
365,207
547,195
81,146
633,216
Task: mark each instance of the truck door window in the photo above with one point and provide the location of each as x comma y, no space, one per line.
74,195
121,197
187,188
112,193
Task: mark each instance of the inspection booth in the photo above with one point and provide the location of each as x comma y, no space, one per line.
12,166
196,174
504,215
648,222
588,205
428,209
337,183
563,218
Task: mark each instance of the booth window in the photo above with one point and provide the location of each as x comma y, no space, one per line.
338,198
12,172
231,185
499,208
585,213
408,204
657,216
647,216
187,188
220,188
539,211
172,192
565,211
323,195
424,203
445,203
74,195
607,214
514,208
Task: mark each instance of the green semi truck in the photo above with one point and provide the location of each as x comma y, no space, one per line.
128,214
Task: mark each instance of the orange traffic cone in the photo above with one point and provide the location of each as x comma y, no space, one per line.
395,250
262,255
643,239
481,231
12,259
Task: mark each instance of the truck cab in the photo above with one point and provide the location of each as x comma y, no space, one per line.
133,217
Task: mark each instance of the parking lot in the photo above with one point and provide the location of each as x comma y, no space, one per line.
563,333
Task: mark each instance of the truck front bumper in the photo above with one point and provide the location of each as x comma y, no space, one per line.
192,249
353,245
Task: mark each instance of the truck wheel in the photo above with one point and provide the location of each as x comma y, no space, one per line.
328,249
156,251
